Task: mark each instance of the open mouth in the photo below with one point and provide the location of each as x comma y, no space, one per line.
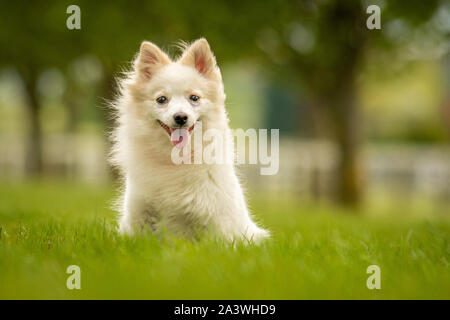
178,136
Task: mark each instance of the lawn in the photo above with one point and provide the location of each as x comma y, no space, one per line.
317,251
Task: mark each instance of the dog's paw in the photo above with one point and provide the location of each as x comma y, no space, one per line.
126,228
256,235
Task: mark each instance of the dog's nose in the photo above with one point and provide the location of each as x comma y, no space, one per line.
180,118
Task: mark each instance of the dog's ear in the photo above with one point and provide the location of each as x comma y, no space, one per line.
199,56
150,59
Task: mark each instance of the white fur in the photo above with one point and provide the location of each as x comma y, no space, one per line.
157,192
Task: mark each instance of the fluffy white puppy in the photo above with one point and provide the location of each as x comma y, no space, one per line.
159,99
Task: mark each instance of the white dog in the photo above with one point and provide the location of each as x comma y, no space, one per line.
158,97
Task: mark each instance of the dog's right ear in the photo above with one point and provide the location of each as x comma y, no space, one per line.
199,56
150,59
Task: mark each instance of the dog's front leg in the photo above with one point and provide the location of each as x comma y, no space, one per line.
232,220
239,226
133,213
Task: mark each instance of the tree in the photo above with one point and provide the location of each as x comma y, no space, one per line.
31,41
323,46
320,46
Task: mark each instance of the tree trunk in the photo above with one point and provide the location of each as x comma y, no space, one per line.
348,136
33,161
108,91
72,107
335,84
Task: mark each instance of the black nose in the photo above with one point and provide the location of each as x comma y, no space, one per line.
180,118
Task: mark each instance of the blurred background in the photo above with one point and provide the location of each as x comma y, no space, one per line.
363,114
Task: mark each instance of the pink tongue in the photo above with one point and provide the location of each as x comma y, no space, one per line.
179,138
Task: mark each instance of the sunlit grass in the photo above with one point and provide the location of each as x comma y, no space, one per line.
318,251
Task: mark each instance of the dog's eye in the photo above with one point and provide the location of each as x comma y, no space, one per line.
161,100
194,98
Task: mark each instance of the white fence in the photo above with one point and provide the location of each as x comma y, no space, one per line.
306,166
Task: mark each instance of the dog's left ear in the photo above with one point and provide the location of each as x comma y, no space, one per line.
150,59
200,56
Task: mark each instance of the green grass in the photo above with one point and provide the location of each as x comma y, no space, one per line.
318,251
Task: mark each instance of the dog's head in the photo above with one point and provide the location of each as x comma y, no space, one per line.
173,95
